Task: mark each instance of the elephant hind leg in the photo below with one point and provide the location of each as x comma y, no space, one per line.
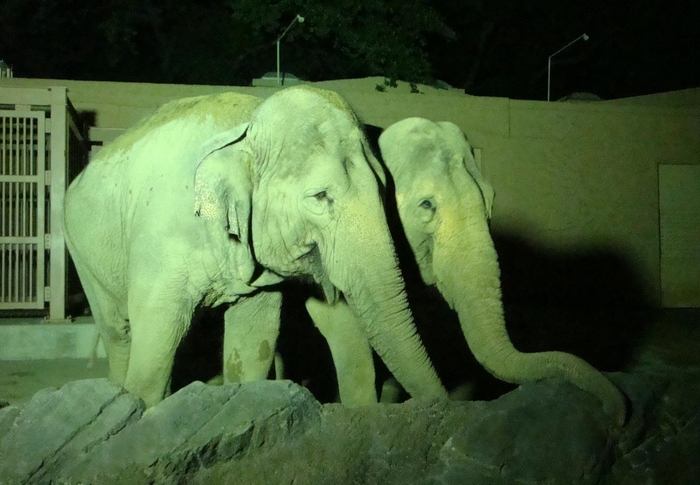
352,353
250,337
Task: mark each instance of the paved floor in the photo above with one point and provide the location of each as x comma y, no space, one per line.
21,379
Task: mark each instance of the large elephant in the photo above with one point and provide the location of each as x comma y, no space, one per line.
215,197
444,205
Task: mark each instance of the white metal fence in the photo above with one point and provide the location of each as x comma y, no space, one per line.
41,150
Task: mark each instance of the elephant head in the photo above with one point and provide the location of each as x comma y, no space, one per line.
445,205
296,189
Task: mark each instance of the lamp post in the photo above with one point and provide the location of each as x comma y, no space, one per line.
549,61
301,21
5,69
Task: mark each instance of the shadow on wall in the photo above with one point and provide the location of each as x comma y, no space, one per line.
590,302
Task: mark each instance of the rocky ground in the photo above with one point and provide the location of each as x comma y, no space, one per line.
88,431
276,432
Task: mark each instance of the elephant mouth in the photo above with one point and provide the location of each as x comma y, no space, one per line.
320,275
308,251
293,261
311,263
264,277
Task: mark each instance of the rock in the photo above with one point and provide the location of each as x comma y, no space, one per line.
661,443
540,433
57,422
271,432
8,415
196,427
548,432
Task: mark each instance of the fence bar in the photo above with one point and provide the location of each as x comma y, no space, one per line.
3,272
21,245
38,132
58,167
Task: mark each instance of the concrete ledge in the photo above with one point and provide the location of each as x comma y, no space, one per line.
28,339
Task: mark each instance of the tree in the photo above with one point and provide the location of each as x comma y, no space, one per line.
175,41
343,39
494,48
42,38
217,41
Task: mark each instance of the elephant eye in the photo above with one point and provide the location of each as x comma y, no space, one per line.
318,202
322,196
426,204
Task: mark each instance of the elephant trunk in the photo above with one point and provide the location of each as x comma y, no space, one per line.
468,275
374,288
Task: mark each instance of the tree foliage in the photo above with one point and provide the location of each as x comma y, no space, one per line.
346,38
494,48
217,41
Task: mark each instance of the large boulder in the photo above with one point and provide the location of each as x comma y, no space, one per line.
272,432
58,425
93,432
547,432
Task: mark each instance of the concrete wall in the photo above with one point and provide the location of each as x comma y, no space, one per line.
22,339
569,177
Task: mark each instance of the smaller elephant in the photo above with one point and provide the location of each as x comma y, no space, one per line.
444,205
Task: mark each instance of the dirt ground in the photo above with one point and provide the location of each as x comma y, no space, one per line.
672,337
21,379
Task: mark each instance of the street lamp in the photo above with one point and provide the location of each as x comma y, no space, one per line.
549,62
5,69
301,21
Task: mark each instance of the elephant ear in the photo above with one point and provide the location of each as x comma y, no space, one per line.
372,157
465,148
223,190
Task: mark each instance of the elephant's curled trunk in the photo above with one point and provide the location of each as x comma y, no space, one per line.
474,291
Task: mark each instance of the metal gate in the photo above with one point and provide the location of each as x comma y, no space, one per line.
42,149
22,203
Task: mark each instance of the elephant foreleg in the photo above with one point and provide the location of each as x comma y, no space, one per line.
157,327
250,336
350,348
112,329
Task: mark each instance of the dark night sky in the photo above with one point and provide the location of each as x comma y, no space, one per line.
499,48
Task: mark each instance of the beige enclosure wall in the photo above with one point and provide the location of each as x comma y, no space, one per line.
679,214
569,177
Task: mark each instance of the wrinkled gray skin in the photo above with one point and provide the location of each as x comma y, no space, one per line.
444,205
211,199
